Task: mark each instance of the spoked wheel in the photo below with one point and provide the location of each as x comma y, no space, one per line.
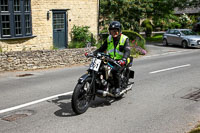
81,97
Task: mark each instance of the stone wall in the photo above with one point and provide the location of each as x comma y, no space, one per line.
41,59
80,13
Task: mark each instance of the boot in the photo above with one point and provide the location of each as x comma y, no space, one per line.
117,92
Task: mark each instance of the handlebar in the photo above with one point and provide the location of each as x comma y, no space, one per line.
100,55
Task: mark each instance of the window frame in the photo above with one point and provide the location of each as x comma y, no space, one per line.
13,24
176,32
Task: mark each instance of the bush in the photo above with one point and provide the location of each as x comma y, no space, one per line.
155,38
81,37
148,30
134,36
104,31
137,43
104,36
131,34
80,33
145,22
76,44
175,25
148,27
137,48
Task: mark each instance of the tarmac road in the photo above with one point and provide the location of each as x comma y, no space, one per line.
160,102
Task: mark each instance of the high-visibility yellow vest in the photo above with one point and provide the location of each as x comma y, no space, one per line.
117,55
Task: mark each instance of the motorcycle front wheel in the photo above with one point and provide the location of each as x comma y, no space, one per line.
82,96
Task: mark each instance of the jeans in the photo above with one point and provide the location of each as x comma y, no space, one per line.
116,72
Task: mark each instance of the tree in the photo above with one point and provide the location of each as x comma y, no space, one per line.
130,12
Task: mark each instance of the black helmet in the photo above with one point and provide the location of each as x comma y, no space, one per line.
115,25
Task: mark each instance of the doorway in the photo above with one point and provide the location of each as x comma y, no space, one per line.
60,36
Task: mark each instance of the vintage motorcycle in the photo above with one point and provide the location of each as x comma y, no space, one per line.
98,81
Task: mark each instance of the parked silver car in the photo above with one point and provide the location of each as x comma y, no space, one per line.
184,37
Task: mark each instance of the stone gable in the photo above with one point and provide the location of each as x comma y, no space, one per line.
80,13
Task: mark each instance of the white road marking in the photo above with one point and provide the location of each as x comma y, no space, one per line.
33,102
167,69
168,53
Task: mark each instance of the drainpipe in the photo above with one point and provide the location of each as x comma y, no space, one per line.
98,16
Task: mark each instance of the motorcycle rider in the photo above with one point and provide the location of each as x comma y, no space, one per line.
117,46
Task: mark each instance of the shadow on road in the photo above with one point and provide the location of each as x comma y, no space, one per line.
101,102
66,109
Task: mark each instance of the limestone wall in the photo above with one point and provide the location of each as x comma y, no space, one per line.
40,59
81,13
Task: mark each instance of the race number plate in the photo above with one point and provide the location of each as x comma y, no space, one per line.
95,64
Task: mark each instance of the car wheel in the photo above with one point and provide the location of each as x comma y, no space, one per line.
165,43
184,44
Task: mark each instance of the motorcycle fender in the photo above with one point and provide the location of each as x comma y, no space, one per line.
131,74
83,78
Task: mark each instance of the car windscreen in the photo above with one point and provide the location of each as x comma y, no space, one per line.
188,32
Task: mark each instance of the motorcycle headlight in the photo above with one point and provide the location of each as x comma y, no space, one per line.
98,54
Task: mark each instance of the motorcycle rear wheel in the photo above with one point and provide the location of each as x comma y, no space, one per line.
81,97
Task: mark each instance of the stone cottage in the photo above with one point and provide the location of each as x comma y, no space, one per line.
43,24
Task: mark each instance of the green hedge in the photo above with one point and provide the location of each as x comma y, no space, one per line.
76,44
145,22
155,38
134,36
137,43
148,27
131,34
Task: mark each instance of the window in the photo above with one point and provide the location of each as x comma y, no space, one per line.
171,31
5,25
15,19
176,32
58,21
4,5
16,5
188,32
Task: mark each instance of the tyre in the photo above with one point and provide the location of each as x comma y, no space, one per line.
165,43
81,97
184,44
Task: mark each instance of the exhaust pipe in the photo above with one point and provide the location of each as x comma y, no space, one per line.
106,93
126,90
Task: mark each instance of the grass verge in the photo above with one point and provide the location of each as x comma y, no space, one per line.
155,38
